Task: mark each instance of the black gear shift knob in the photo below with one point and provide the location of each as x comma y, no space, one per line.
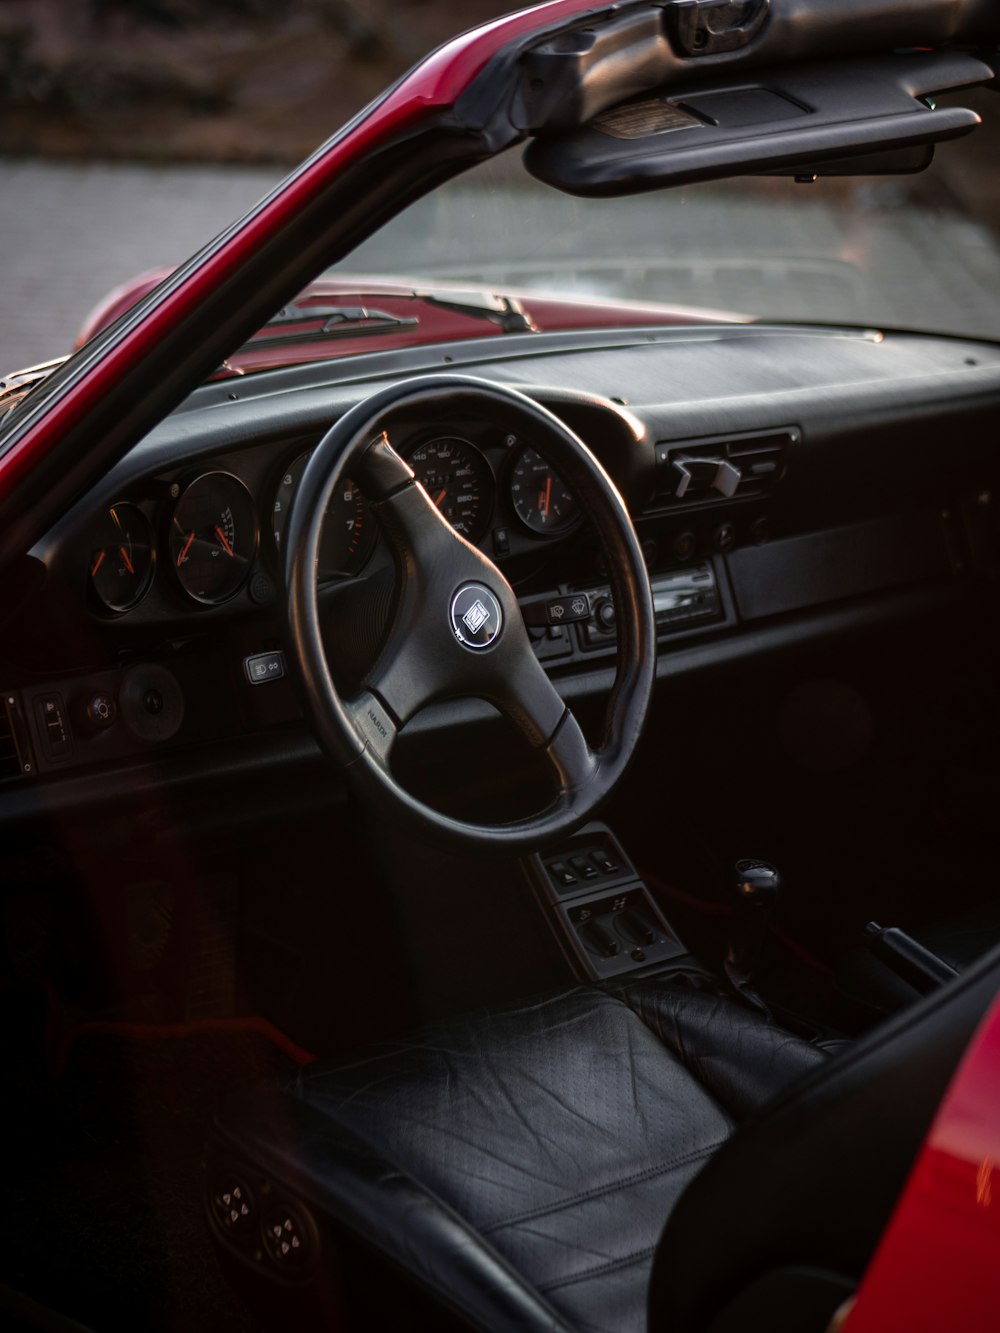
758,886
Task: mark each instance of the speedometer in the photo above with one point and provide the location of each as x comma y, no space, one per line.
459,481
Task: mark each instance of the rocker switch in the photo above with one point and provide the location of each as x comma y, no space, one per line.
562,874
584,867
604,863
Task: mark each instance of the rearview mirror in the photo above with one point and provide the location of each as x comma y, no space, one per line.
839,117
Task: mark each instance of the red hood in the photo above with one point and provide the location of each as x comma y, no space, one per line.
290,342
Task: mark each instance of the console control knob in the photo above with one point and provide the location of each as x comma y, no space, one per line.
606,618
101,711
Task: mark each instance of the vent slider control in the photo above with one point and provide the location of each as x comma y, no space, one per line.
704,474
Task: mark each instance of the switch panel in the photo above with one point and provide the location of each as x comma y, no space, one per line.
603,916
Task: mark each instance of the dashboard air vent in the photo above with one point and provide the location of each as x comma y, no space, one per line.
14,759
725,467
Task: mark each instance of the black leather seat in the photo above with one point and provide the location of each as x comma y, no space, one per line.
522,1164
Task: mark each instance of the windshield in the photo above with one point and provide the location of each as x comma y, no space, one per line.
912,252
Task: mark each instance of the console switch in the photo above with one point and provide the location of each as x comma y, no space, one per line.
604,862
557,610
53,726
262,667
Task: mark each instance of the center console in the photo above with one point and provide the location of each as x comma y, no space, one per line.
601,913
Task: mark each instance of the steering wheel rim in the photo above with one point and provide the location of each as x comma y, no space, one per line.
424,658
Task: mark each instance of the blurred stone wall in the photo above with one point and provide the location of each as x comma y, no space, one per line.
254,81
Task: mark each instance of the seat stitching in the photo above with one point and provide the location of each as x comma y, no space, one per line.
635,1257
586,1195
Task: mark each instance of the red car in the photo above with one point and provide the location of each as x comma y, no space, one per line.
498,761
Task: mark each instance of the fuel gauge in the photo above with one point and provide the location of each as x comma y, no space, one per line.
121,558
213,537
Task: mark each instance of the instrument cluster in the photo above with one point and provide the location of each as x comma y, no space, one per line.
204,539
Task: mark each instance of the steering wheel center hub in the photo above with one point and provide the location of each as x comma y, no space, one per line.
476,617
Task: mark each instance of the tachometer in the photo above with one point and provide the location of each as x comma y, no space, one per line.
121,558
348,529
541,499
458,479
213,537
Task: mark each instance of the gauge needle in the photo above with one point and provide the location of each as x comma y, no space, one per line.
128,562
222,538
545,496
439,497
184,549
97,563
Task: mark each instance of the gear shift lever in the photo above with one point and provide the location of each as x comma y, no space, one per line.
758,887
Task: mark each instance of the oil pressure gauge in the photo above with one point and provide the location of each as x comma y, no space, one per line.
213,537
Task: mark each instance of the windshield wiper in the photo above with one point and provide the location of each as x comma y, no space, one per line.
508,315
354,321
348,320
339,321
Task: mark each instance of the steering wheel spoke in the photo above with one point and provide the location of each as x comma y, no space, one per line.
536,708
524,693
571,756
379,470
374,726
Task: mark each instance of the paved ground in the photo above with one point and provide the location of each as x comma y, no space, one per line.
69,234
858,253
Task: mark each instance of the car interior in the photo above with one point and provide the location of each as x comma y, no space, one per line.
448,793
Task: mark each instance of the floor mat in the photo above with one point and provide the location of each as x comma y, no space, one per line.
102,1169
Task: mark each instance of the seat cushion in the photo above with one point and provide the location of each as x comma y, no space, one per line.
524,1162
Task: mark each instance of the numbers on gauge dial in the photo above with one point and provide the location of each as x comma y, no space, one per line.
459,481
348,529
541,499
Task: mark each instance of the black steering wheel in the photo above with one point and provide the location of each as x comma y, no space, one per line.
457,629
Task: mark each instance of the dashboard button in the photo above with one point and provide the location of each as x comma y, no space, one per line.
606,615
566,610
684,545
263,667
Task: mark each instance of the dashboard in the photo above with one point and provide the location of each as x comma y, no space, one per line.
784,484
